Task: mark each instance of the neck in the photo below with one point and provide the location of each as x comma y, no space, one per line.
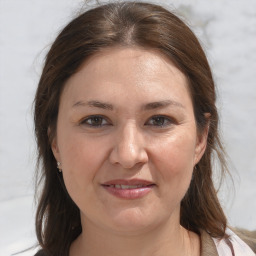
164,240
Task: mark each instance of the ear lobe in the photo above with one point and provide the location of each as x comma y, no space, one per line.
54,145
55,149
201,143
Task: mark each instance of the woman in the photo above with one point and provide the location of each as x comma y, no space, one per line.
125,108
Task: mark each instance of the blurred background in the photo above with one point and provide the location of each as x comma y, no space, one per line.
227,31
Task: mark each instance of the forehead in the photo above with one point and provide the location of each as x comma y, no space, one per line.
149,62
127,72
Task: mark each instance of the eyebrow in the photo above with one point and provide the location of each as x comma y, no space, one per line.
148,106
162,104
95,104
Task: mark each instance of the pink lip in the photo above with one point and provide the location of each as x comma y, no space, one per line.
129,193
128,182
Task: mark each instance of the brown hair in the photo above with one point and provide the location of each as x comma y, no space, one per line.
123,24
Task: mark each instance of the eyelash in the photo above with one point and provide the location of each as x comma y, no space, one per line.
165,121
94,118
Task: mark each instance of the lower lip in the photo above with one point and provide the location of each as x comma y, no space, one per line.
129,193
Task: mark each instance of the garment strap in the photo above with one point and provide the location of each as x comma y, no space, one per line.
208,247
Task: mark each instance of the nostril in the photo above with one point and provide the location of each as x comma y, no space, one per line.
129,149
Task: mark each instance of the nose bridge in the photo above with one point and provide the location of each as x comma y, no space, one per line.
129,147
129,139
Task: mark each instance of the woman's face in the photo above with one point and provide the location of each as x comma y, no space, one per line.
127,140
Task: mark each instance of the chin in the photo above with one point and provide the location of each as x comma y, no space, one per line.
133,221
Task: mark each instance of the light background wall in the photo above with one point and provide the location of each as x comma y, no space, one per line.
227,30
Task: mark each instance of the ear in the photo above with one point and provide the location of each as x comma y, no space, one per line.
54,145
201,143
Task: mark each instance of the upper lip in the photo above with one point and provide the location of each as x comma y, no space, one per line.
128,182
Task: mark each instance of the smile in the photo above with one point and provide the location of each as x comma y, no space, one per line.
121,186
128,189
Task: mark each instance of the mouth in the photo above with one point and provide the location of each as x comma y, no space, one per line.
121,186
128,189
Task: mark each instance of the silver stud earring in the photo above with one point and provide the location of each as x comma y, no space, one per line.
59,166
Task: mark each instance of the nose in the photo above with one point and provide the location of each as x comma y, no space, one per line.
129,148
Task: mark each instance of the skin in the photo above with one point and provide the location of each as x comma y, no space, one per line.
127,141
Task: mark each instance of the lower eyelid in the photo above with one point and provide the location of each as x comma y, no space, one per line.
167,121
105,121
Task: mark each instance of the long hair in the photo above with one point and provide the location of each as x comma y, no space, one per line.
129,24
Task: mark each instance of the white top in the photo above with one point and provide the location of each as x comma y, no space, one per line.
240,247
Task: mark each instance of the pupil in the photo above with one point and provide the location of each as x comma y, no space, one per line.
159,121
96,120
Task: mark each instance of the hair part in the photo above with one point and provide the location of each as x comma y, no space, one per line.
127,24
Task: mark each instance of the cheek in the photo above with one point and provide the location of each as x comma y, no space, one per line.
176,154
174,164
81,159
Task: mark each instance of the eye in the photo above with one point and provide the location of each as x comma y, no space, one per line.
160,121
95,121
